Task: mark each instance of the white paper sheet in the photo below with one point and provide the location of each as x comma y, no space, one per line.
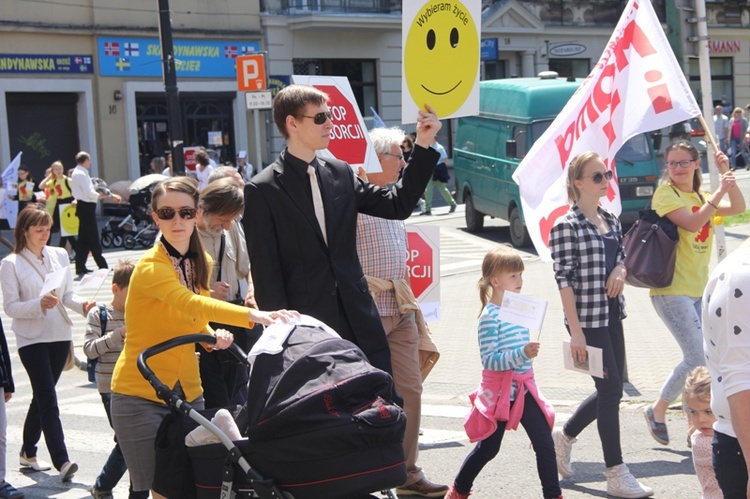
523,310
94,280
594,365
54,280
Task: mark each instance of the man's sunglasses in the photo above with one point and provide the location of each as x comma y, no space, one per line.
169,213
319,118
599,176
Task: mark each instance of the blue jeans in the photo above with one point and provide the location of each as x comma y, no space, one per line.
729,466
115,466
682,316
535,424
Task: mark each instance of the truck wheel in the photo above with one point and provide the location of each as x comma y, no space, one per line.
519,236
474,218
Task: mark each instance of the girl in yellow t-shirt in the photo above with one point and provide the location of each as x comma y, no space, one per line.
680,199
58,189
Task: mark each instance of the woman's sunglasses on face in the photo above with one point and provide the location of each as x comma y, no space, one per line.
169,213
599,176
319,118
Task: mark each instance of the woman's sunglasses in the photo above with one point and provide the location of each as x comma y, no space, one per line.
319,118
599,176
169,213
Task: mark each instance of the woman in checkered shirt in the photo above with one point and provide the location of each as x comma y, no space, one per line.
586,245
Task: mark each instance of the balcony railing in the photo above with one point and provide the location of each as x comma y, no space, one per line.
291,7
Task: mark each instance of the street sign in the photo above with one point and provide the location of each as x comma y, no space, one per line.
259,100
251,73
423,261
190,161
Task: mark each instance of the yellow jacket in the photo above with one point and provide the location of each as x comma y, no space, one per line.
156,310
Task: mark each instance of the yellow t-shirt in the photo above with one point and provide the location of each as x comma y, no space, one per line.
693,249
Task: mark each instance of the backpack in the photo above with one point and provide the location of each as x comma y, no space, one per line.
91,363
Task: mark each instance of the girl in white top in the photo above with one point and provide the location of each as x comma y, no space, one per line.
43,331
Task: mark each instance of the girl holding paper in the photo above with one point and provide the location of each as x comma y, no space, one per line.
59,191
43,331
507,394
586,246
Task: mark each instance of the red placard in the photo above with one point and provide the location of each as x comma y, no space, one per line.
421,271
348,139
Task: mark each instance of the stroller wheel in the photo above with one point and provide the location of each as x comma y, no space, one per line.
128,241
106,241
117,241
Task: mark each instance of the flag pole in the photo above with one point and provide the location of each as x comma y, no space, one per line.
705,74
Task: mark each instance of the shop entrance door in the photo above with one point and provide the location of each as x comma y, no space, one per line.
45,127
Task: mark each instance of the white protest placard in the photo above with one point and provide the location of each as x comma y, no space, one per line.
54,280
350,141
594,365
440,57
423,262
94,280
523,310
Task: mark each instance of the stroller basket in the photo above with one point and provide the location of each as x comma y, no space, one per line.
319,422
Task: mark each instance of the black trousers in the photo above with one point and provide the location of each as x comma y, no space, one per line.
604,404
729,466
88,237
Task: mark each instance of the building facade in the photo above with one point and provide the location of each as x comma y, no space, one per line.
87,75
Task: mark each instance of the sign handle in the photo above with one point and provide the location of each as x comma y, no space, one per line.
256,126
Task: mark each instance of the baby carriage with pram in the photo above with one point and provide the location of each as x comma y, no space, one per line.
319,424
137,227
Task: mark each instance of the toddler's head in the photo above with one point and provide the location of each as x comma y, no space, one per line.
696,400
501,271
121,281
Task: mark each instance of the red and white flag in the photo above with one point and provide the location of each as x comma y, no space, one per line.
637,86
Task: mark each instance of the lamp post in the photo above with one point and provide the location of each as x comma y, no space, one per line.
170,87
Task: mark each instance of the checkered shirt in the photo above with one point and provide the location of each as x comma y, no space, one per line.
577,249
382,248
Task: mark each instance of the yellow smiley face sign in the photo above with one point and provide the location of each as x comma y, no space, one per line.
68,220
441,57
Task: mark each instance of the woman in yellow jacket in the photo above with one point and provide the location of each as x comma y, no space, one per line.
168,296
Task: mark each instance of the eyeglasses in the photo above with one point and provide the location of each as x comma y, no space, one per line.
685,163
169,213
599,176
319,118
399,156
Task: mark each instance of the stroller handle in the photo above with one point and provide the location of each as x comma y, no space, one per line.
163,391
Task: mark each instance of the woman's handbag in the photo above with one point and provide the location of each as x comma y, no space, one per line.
650,251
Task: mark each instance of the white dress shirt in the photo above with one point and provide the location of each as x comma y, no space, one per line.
81,186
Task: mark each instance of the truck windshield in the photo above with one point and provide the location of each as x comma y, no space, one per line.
634,150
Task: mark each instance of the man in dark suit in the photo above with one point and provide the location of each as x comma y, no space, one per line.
302,264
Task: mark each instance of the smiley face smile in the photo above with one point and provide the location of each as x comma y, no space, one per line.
443,93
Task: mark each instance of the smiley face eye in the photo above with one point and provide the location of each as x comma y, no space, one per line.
454,38
431,39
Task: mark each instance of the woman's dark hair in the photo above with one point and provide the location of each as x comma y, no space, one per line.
189,186
32,215
695,155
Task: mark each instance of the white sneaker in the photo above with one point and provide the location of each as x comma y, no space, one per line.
621,483
563,446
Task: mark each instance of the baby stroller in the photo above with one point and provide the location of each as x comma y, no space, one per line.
318,424
136,227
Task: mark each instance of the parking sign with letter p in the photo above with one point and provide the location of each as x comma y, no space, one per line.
251,73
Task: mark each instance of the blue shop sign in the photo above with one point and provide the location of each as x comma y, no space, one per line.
46,63
488,50
193,58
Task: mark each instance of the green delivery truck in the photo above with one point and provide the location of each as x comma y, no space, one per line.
513,114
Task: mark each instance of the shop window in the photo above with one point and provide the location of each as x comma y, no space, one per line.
578,68
722,81
493,70
361,74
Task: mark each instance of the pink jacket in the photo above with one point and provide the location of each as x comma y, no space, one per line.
491,403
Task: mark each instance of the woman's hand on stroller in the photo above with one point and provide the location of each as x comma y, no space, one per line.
268,318
223,339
